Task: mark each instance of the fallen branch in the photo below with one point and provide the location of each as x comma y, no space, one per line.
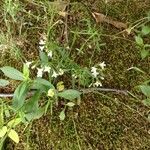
100,18
125,92
84,91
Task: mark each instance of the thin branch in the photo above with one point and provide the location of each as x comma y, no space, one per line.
125,92
84,91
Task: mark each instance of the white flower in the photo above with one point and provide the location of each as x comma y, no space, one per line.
97,84
102,65
74,76
28,63
47,69
41,47
94,71
55,75
40,72
50,54
42,42
61,72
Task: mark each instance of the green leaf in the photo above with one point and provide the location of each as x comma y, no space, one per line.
32,108
145,30
42,84
62,115
26,71
20,95
139,40
144,53
12,73
35,115
3,131
3,82
146,102
70,94
70,104
14,122
14,136
32,103
145,90
43,57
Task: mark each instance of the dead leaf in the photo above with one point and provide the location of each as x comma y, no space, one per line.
100,18
59,5
63,13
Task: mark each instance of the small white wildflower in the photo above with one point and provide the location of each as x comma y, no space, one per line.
61,72
28,63
55,75
41,47
42,42
74,76
97,84
50,54
94,71
47,69
40,72
102,65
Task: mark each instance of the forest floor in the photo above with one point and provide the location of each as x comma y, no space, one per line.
103,120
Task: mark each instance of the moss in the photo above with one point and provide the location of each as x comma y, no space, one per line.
108,121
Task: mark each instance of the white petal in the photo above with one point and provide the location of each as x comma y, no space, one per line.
40,72
102,65
61,72
47,69
50,54
41,48
93,69
42,42
28,63
55,75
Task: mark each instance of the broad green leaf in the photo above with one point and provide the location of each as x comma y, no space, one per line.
42,84
3,82
62,115
32,107
43,57
12,73
144,53
69,94
26,71
20,95
145,90
14,122
146,102
70,104
139,40
35,114
32,103
3,131
145,30
14,136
